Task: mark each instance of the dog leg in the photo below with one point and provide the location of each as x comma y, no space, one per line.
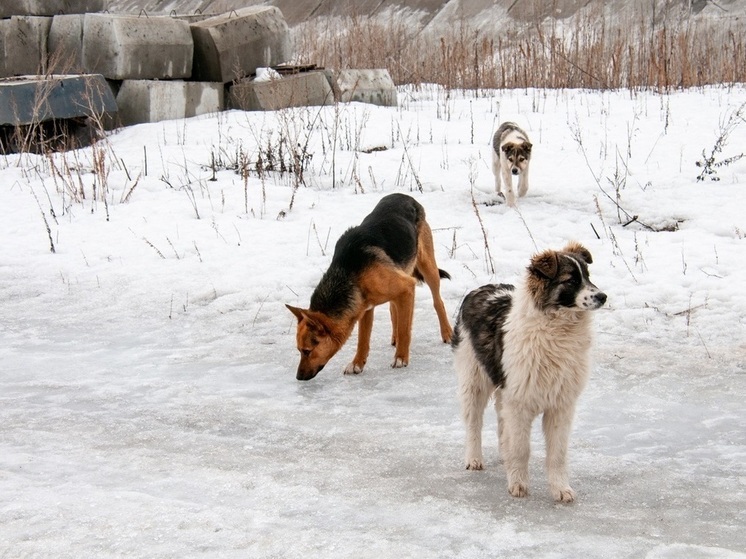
557,424
404,313
509,192
496,171
517,446
364,328
383,283
498,395
392,312
428,268
473,396
523,183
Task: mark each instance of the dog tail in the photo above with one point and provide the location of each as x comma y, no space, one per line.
418,276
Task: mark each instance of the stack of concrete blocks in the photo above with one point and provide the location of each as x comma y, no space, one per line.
147,60
37,86
177,67
231,47
162,67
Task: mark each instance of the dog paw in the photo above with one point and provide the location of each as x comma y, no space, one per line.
447,336
518,489
399,362
474,464
353,369
563,495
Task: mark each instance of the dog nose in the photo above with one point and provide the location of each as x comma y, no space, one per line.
514,171
600,297
307,374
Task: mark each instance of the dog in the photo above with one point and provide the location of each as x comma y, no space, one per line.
511,153
379,261
528,348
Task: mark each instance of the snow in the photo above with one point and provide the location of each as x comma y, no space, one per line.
266,75
148,401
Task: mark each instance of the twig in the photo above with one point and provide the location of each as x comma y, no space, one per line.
151,245
253,322
46,223
409,160
488,253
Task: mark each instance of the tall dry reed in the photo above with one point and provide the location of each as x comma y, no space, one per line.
590,51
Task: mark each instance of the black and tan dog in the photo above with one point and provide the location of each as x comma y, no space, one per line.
379,261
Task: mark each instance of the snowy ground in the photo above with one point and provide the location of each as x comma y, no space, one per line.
148,401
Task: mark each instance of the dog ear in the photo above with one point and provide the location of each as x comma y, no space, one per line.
528,146
299,313
579,250
314,320
507,147
545,264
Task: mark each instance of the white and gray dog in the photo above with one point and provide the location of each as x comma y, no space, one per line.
528,348
511,153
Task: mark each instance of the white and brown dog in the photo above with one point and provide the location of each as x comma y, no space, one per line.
528,348
511,153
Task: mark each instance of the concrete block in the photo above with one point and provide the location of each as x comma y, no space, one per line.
4,25
30,99
10,8
129,47
153,101
25,50
297,90
365,86
65,45
49,7
233,45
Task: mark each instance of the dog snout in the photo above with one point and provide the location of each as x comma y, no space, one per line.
515,170
307,374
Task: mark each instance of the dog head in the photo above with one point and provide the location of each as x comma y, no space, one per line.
518,155
559,279
316,342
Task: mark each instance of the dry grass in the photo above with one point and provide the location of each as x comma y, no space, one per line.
590,51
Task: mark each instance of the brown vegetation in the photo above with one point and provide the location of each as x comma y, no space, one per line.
589,51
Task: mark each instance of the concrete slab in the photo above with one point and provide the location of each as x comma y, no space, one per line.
233,45
298,90
10,8
4,25
129,47
65,44
49,7
25,45
31,99
142,101
365,86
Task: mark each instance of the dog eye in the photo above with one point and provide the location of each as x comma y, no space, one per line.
305,352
